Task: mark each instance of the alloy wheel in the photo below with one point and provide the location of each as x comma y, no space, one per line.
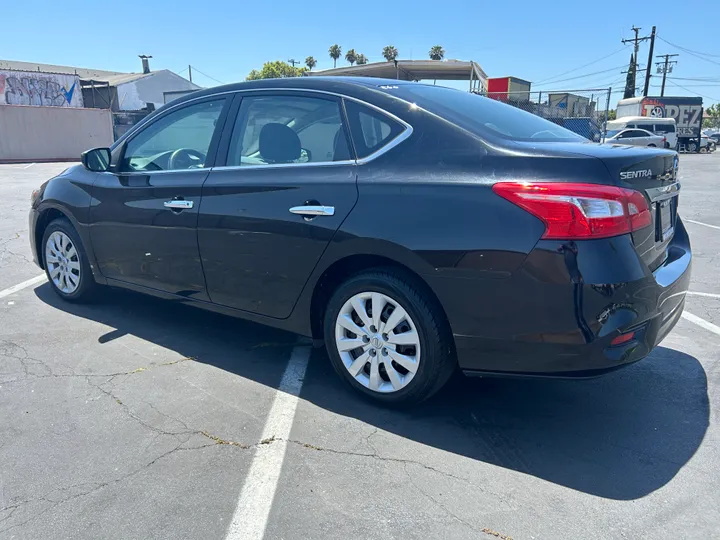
378,342
63,263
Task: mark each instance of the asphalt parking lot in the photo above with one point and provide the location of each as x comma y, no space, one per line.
137,418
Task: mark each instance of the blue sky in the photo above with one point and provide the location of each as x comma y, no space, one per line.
224,39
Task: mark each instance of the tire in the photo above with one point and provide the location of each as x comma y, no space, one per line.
434,353
651,146
83,285
691,148
703,150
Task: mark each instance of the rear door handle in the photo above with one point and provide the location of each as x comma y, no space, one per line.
313,210
179,205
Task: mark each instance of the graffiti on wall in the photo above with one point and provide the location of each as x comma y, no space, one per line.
40,89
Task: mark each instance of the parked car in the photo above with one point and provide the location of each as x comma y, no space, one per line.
715,138
635,137
665,127
415,229
708,144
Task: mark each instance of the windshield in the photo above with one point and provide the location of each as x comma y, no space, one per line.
482,115
613,132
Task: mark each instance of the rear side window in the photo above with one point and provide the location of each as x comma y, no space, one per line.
371,130
280,129
664,128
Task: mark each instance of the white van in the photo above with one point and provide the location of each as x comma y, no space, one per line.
658,126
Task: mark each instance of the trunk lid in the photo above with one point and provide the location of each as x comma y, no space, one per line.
648,170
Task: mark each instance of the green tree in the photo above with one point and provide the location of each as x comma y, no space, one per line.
436,52
310,62
612,114
351,56
361,59
275,70
713,111
335,51
390,53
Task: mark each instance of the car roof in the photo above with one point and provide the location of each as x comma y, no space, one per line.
329,84
653,119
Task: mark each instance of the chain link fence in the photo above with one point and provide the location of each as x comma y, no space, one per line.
583,111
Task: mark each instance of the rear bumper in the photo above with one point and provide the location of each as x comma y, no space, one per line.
558,314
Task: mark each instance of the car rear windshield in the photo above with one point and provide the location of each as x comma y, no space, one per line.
483,116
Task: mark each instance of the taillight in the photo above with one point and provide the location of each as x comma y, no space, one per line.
572,211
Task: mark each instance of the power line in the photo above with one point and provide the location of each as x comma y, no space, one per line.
583,66
692,92
693,53
206,75
585,75
690,50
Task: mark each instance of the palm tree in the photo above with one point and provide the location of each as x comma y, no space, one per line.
335,51
310,62
350,56
362,59
390,53
436,52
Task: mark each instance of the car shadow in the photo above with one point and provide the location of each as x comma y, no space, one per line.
621,436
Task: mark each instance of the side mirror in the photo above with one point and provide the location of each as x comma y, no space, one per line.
96,160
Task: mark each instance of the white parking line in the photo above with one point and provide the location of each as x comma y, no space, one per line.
23,285
253,507
701,223
701,322
28,166
707,294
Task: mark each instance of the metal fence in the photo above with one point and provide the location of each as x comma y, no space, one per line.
583,111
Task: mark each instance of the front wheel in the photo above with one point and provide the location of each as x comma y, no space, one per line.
387,339
66,263
703,150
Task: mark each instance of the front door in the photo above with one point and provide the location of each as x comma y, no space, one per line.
269,213
144,213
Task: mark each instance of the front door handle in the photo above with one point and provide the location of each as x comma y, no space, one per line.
179,205
313,210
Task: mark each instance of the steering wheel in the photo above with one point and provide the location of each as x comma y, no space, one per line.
186,158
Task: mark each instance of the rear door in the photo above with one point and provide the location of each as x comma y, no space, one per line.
286,182
144,213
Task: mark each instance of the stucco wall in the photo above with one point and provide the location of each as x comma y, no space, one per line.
135,95
51,133
43,89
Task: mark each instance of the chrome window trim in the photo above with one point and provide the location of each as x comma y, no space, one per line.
154,173
282,165
399,138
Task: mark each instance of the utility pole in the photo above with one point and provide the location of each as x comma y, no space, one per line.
293,62
636,40
665,69
190,72
649,63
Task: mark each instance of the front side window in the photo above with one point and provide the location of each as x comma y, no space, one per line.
275,130
178,141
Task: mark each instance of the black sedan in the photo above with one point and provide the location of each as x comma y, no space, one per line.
415,229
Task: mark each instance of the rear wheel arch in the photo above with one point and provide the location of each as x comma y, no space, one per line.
348,266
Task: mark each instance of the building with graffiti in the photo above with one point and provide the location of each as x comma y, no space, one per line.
51,112
40,89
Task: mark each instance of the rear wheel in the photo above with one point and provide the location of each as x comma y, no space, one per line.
703,150
387,339
66,263
651,145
